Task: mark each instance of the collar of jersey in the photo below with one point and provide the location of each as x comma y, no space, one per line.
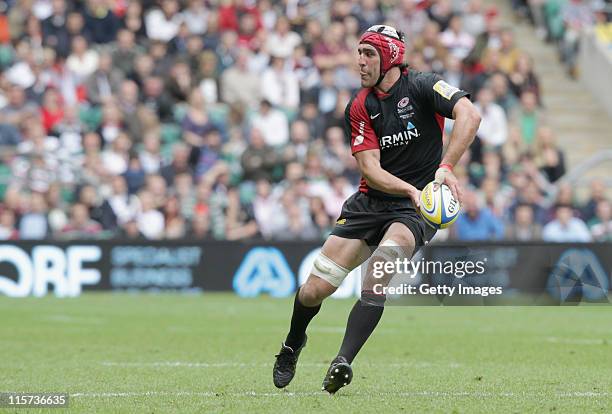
384,95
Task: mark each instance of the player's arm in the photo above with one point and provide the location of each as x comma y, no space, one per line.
379,179
467,120
451,102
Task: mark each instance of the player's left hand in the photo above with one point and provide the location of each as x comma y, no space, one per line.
445,176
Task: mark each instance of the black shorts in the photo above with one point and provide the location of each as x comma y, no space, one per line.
368,218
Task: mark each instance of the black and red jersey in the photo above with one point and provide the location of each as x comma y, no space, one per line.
405,123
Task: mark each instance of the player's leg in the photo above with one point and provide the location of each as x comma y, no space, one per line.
337,258
367,311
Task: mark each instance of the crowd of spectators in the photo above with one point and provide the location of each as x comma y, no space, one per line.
224,119
563,22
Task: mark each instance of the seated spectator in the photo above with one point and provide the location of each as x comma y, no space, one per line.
458,41
272,123
297,148
493,129
112,123
178,165
411,19
601,225
150,155
54,30
163,23
124,205
98,210
8,229
494,197
298,227
332,52
514,147
134,175
522,78
509,52
266,210
282,41
80,225
70,130
282,88
477,223
157,99
504,97
578,15
196,124
104,83
337,157
474,18
116,157
180,82
207,155
176,226
18,108
209,83
101,22
597,193
339,191
565,196
156,186
548,156
150,221
34,223
441,12
200,227
528,117
52,111
240,223
319,217
566,228
83,60
529,194
130,231
453,72
429,45
523,227
125,51
239,85
258,160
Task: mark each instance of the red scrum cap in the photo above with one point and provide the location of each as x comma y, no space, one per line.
389,43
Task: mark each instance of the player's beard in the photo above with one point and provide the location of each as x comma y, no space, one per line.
369,80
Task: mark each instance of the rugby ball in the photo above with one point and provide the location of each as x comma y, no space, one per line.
438,206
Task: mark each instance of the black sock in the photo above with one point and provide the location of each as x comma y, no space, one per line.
361,323
302,315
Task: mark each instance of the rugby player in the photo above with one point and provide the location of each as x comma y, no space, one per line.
394,124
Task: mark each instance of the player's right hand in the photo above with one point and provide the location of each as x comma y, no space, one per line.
415,196
446,176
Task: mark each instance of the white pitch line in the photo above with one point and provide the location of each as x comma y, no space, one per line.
578,341
77,320
187,364
182,364
588,394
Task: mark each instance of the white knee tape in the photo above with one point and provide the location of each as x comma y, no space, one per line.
388,250
328,270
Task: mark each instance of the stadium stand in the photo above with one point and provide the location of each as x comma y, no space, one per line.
223,120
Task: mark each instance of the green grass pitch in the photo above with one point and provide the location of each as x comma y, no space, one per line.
214,353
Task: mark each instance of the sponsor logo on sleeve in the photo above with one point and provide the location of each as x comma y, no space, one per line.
445,90
359,138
